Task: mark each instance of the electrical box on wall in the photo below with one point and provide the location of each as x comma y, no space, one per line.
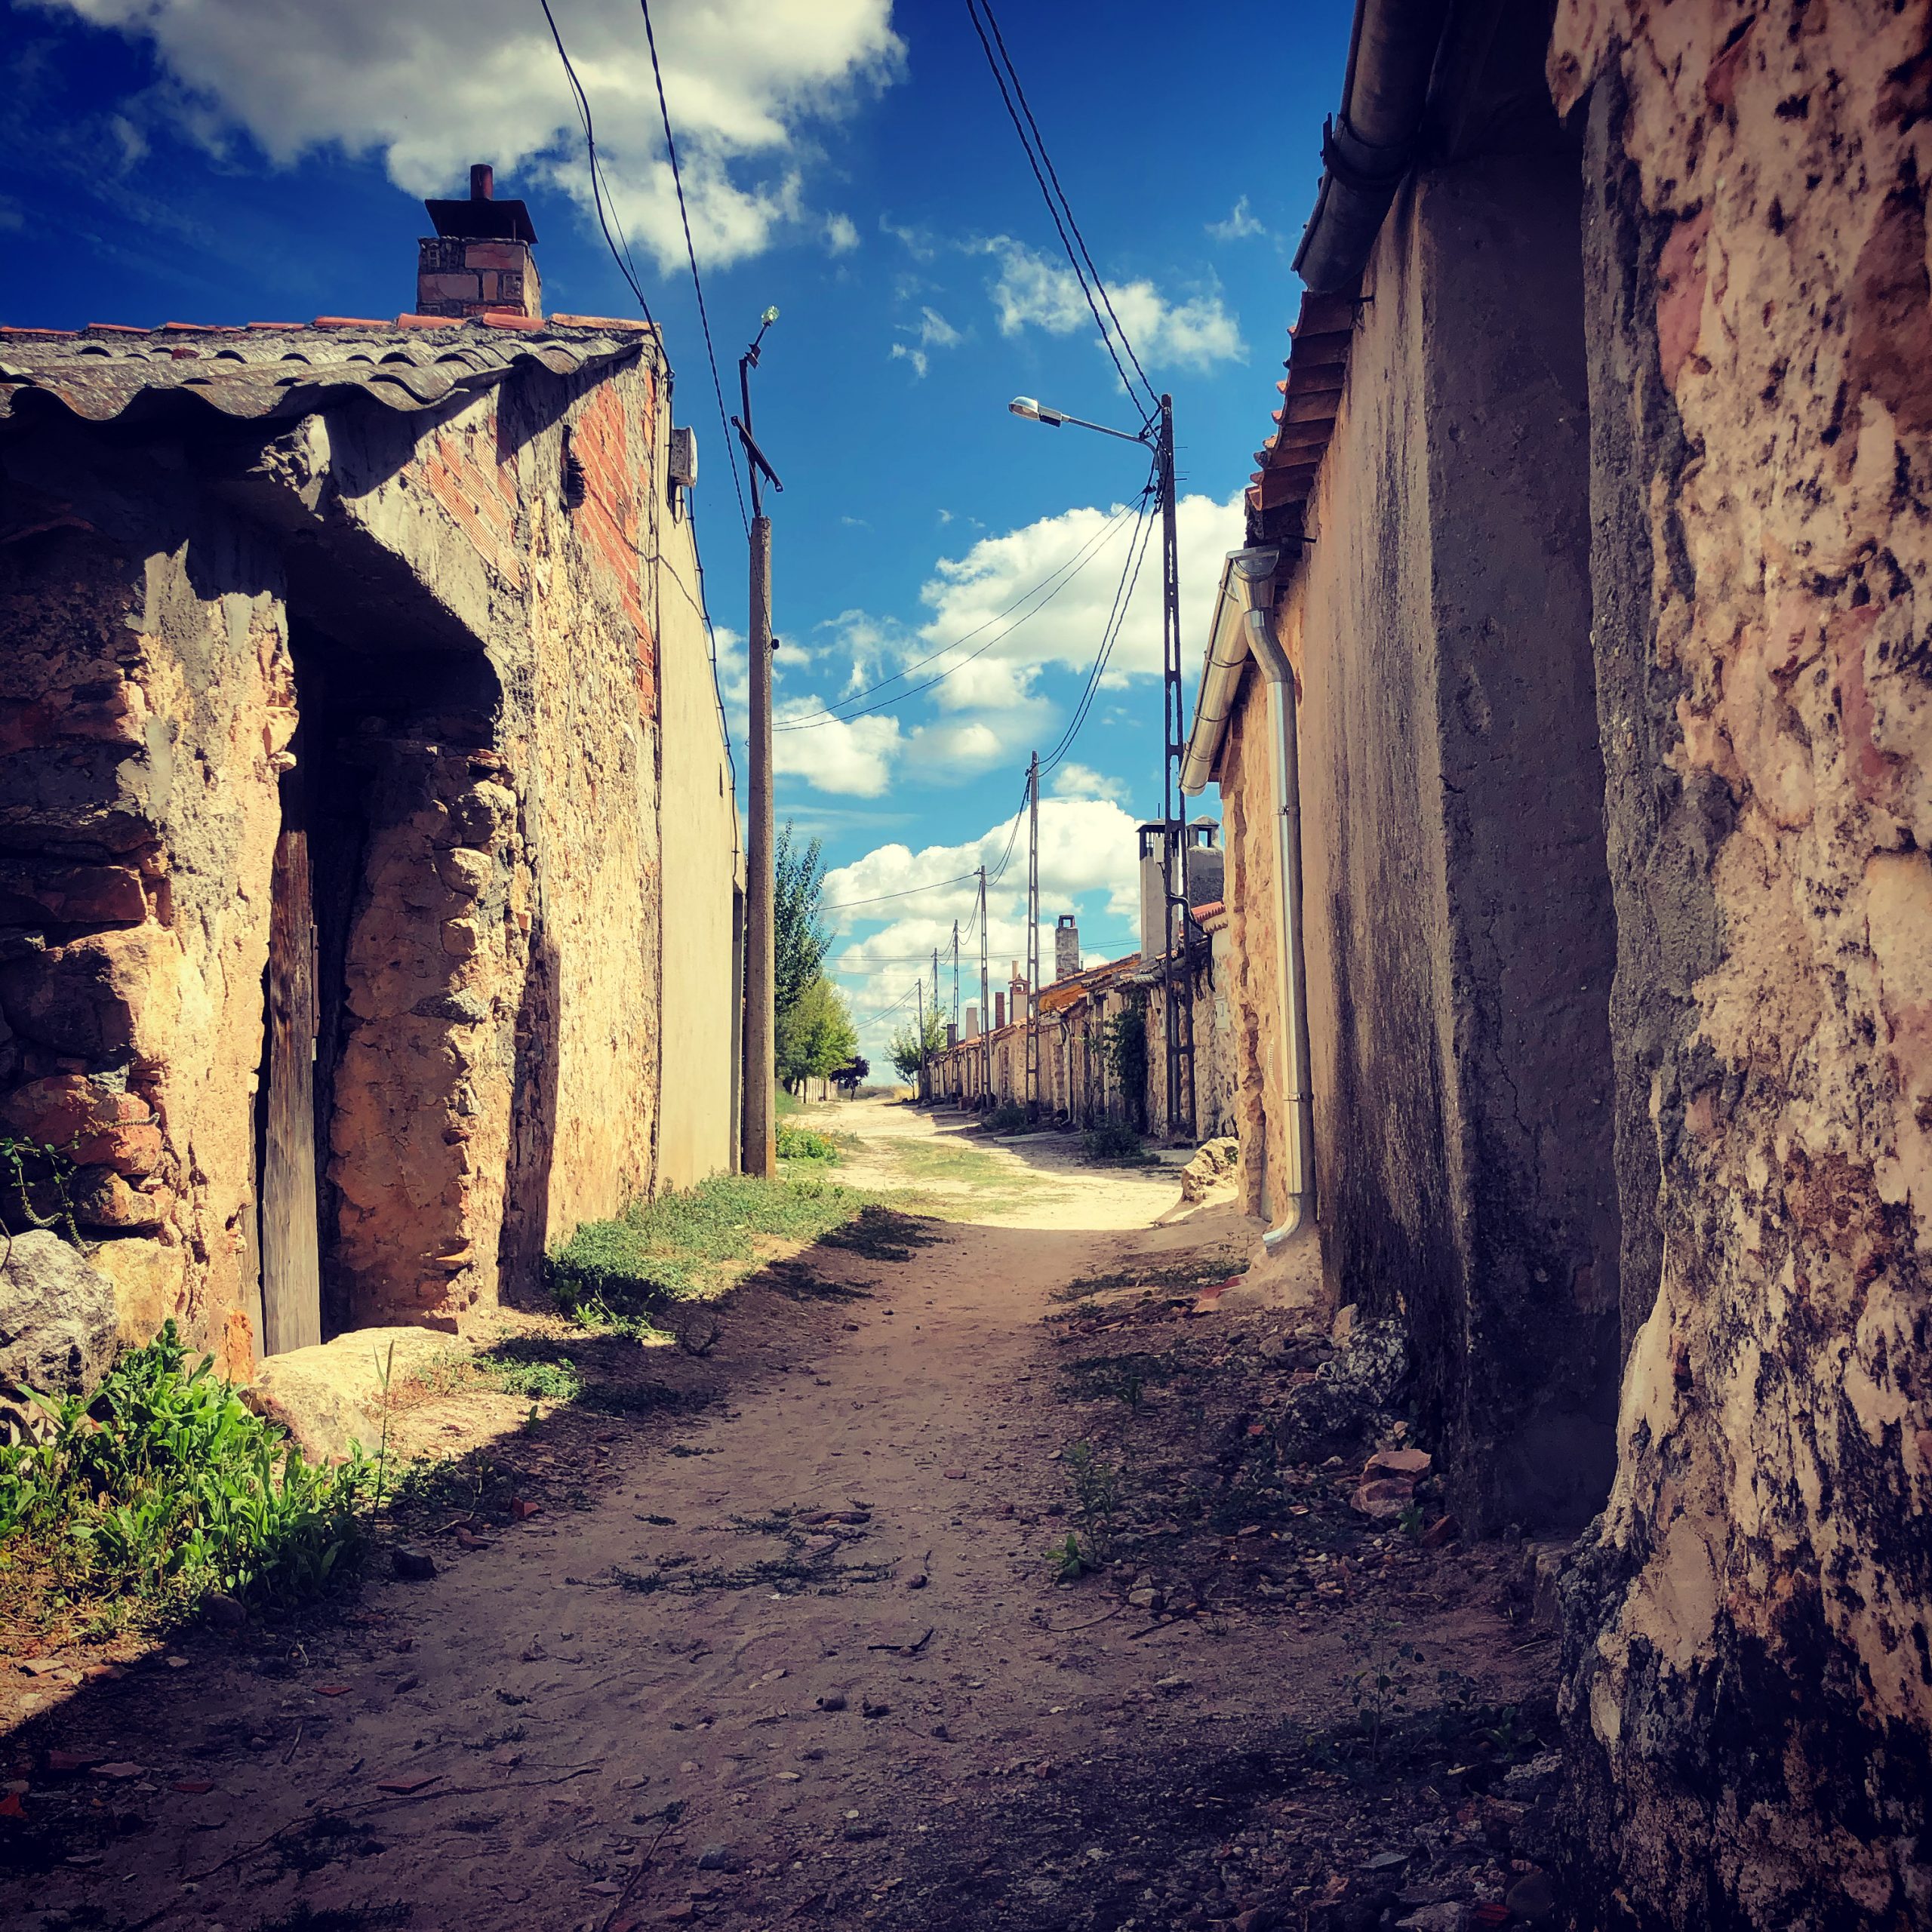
684,457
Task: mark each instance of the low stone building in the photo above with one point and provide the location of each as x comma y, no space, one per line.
1582,629
367,837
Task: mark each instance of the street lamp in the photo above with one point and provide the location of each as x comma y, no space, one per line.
1031,411
1158,432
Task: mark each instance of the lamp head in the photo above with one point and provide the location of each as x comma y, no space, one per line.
1025,407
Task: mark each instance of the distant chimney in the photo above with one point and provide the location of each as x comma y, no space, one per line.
972,1021
1066,947
951,1036
478,262
999,1011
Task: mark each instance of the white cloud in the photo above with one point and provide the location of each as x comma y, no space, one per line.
1033,291
746,80
1087,847
931,332
1240,225
842,234
854,758
973,594
1082,781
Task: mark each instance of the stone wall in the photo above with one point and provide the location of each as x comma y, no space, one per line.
144,712
440,632
1749,1645
1253,1052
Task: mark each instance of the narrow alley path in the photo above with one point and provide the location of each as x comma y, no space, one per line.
803,1656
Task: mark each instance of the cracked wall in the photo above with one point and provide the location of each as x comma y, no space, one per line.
1748,1662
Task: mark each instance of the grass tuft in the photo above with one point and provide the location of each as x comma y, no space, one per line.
690,1245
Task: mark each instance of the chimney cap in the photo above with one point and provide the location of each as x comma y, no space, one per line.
481,218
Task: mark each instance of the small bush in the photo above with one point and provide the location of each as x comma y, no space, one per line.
1007,1118
164,1486
801,1143
1111,1145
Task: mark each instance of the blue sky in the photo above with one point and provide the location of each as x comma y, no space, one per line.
850,160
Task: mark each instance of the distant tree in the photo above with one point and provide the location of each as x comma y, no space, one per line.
906,1049
816,1037
799,941
851,1076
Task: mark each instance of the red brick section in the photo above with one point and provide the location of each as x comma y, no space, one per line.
479,493
609,522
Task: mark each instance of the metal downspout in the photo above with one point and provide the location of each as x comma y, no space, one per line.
1286,764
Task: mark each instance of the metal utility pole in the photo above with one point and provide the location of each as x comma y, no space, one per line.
936,1006
1033,939
1174,977
1159,430
985,995
759,1151
919,988
955,978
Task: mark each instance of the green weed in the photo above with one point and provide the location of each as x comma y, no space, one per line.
802,1143
164,1487
1113,1145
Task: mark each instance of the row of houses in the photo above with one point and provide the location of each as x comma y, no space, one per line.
1570,706
1091,1048
370,877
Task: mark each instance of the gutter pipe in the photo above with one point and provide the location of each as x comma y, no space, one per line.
1248,586
1369,147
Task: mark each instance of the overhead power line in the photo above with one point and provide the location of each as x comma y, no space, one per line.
1066,207
1057,579
879,899
1059,210
690,252
626,267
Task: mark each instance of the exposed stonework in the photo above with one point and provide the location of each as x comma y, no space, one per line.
1749,1652
427,638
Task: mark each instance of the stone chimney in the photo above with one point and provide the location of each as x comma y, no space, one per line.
972,1020
479,261
999,1011
1066,947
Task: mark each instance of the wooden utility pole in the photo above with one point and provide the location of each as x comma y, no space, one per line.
1033,939
759,1152
919,987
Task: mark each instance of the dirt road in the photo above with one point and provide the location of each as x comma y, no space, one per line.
804,1655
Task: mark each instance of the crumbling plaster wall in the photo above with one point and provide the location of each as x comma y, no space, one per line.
525,1068
145,707
1254,1050
1457,909
1749,1630
701,859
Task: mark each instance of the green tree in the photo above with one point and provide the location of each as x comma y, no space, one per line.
905,1048
816,1037
799,941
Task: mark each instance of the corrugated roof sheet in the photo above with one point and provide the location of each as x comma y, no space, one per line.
102,372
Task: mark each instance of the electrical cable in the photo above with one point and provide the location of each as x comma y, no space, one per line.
626,266
879,898
1040,141
1066,573
999,80
691,251
1110,638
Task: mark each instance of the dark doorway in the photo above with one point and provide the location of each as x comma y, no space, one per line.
285,1098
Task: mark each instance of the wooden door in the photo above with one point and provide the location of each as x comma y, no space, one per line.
291,1266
